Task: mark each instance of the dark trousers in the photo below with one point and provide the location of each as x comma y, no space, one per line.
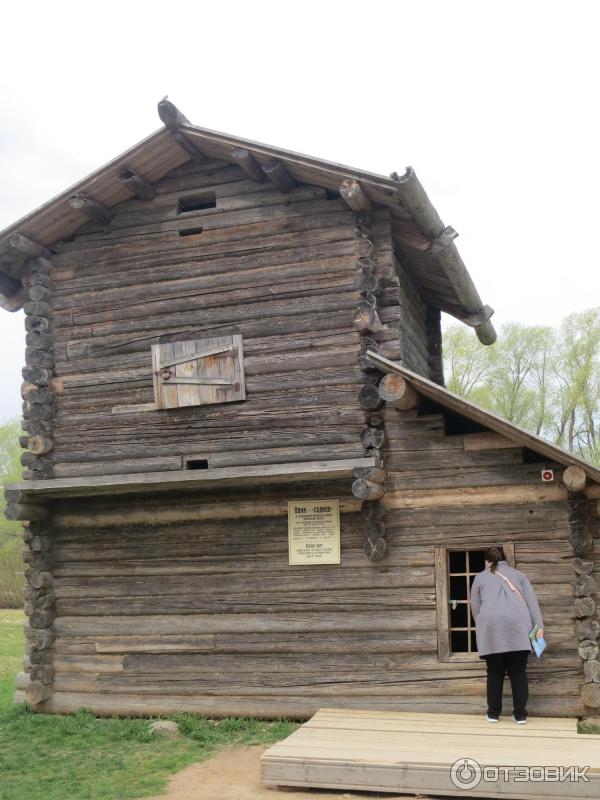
498,664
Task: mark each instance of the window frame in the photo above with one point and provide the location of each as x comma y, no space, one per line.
442,586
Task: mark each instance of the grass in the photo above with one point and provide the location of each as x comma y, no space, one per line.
80,757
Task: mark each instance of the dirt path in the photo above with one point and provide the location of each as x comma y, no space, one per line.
234,774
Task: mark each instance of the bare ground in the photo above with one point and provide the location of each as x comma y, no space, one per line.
234,774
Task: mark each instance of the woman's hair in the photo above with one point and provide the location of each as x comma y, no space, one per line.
494,555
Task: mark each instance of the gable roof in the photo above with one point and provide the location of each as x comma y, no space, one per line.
471,411
422,242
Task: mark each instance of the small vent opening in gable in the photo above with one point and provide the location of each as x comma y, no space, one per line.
196,463
198,202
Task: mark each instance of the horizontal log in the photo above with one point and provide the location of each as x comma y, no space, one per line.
24,511
584,585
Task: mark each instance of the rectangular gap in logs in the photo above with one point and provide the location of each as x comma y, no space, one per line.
197,202
191,231
196,463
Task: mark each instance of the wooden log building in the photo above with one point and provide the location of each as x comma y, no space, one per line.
215,329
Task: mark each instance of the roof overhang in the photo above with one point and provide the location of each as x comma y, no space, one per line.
422,241
466,408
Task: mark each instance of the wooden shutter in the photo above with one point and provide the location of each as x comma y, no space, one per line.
198,372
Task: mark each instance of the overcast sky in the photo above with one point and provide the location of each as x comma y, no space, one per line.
493,103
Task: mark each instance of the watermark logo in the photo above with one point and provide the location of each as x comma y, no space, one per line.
467,773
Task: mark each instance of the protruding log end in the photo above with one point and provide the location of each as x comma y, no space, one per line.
397,391
373,510
367,490
246,161
137,184
369,398
590,695
90,208
36,693
18,511
581,567
574,478
375,549
170,115
354,195
278,175
588,650
366,318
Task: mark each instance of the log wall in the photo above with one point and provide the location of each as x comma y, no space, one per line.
279,268
188,603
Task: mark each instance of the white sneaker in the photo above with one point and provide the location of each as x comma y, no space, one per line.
492,719
519,721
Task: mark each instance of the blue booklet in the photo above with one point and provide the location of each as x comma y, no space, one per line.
537,642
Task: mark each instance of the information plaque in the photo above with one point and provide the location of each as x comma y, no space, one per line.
314,531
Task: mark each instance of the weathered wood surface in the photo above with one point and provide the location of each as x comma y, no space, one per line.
409,752
277,269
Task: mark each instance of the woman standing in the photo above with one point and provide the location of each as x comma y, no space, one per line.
505,609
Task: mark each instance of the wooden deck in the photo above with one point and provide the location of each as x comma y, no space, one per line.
405,752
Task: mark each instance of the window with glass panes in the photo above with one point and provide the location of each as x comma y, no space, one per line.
455,572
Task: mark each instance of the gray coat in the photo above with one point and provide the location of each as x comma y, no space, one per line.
502,619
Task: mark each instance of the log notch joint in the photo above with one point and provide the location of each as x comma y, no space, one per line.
587,626
37,389
39,607
369,483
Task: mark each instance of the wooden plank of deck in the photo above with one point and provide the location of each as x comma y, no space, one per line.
406,752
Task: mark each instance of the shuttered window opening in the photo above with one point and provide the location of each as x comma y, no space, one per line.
198,372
